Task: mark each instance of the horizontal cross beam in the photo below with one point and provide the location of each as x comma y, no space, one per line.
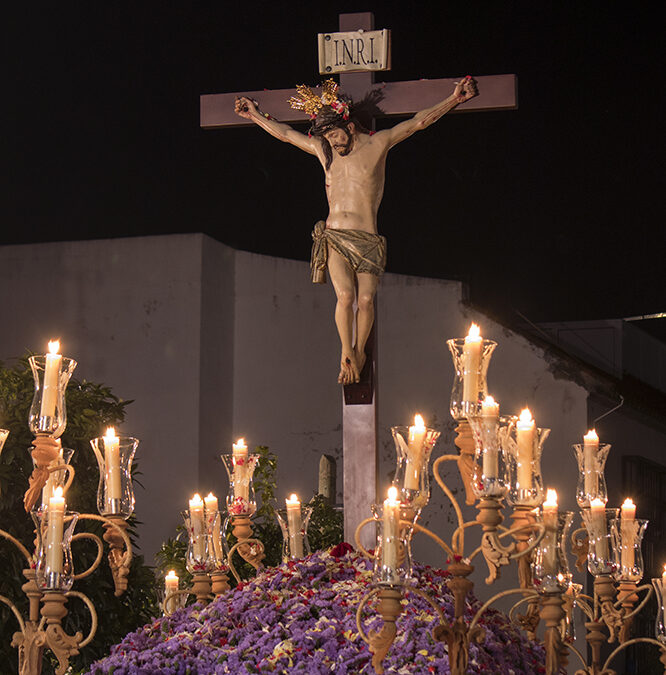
496,92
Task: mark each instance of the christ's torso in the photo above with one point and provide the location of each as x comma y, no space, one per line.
355,185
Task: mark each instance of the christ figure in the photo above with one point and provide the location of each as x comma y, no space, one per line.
354,161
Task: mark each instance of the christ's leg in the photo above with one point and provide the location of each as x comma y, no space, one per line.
344,283
365,317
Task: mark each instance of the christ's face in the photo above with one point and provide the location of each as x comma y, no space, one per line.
341,140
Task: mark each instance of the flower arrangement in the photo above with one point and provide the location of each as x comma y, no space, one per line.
300,617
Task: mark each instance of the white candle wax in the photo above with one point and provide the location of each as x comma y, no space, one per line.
590,450
471,362
56,514
417,434
525,431
112,466
212,505
490,414
550,537
295,526
51,377
170,582
241,482
599,528
198,528
391,529
627,534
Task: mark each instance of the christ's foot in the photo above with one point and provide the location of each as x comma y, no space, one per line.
360,360
349,371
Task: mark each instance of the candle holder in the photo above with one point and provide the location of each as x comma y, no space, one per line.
461,406
490,474
294,545
411,474
600,553
54,569
392,558
660,623
550,567
524,476
49,417
200,556
591,479
627,537
240,500
115,493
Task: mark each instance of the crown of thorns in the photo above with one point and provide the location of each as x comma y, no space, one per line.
310,103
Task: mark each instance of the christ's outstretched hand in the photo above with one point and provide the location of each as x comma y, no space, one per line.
466,89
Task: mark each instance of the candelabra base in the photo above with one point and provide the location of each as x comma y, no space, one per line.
201,586
381,641
628,598
552,613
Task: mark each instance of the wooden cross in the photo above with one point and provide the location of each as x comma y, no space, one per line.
359,417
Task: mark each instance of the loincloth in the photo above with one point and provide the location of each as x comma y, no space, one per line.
364,252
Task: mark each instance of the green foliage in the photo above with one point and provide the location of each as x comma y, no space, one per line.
326,526
90,408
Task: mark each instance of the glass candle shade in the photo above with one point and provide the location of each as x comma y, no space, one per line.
393,559
490,475
240,500
600,555
3,437
469,386
411,474
591,480
550,568
627,537
56,478
295,544
115,492
218,550
660,624
523,465
48,413
55,570
200,554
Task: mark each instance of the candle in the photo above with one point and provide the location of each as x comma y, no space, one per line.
56,515
627,534
112,466
490,414
599,529
525,430
170,582
211,503
550,537
417,434
391,534
241,483
590,450
294,526
51,377
471,362
197,524
212,506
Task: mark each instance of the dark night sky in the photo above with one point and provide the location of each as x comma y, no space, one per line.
554,210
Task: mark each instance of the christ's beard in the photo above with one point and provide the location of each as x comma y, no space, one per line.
345,149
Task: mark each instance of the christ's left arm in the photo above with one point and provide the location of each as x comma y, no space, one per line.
464,90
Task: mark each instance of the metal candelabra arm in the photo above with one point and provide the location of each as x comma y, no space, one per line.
98,558
93,615
24,551
435,471
617,650
357,538
170,598
435,538
253,558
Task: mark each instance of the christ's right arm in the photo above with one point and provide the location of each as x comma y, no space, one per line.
247,108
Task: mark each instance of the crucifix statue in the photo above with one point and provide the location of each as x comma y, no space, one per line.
354,161
347,243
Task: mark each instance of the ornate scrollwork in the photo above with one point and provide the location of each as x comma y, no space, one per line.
495,554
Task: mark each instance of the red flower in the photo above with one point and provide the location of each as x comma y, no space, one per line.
341,550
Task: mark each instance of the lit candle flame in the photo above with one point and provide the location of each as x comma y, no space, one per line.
240,443
419,423
293,498
54,346
211,496
110,433
58,492
551,498
196,500
171,575
591,437
596,503
474,333
489,400
393,493
525,416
